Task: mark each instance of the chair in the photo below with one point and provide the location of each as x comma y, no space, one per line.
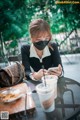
75,115
2,62
75,43
14,58
63,88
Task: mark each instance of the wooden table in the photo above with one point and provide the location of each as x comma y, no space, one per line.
18,105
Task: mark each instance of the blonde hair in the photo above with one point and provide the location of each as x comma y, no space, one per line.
39,26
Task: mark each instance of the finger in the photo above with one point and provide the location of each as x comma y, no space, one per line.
52,72
55,70
45,70
55,73
46,73
60,67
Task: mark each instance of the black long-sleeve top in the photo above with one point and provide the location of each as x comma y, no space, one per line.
53,60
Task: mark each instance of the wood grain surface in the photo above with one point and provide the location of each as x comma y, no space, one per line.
18,105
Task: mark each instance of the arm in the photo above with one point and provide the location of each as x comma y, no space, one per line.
56,56
25,59
56,59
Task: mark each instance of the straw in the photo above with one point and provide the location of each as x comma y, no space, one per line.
44,76
25,103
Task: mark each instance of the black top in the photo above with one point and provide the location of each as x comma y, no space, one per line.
49,61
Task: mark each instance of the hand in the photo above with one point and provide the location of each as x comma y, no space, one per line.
57,71
38,75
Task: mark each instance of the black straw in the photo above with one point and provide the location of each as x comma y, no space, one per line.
44,75
25,103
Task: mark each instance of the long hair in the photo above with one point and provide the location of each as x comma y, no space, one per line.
39,26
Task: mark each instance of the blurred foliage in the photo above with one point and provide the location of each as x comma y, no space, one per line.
16,15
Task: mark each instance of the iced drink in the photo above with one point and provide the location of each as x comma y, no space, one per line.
46,97
52,81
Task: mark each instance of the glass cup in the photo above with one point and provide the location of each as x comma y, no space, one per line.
52,81
46,97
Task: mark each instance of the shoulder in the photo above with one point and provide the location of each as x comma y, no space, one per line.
53,46
25,47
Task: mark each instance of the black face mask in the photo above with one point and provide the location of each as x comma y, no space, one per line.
41,44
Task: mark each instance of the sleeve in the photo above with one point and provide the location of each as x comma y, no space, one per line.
56,56
25,59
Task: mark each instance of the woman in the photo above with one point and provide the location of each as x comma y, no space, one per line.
41,55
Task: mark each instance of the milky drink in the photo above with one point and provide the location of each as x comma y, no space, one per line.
52,81
46,97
